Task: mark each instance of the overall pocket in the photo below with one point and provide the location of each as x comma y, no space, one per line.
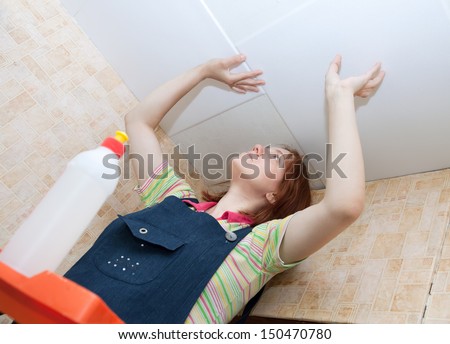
138,252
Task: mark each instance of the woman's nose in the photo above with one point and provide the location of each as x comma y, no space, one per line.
258,149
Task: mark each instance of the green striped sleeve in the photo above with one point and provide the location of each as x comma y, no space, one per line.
162,183
274,231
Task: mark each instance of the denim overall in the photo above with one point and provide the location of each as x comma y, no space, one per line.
152,265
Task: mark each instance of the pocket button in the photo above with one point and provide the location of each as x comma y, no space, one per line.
143,230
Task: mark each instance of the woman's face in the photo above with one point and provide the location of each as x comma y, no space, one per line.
263,167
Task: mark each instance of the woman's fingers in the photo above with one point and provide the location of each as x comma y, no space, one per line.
240,82
244,88
377,79
374,76
238,77
238,89
371,85
250,82
249,85
246,81
374,71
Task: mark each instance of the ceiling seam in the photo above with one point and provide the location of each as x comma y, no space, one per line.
217,114
302,151
216,22
234,47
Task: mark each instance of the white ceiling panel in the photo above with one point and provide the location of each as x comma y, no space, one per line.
236,131
149,42
73,6
404,127
241,19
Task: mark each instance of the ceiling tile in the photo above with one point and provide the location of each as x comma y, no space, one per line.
150,42
243,19
205,101
235,131
73,6
404,127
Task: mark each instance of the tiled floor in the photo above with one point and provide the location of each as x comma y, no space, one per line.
59,96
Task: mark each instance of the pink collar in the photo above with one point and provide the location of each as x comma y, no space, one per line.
229,216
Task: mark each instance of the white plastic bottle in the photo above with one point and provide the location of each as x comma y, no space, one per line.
58,221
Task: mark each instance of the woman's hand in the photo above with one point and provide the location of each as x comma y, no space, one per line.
362,85
220,70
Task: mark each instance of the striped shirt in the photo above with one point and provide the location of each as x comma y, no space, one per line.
248,267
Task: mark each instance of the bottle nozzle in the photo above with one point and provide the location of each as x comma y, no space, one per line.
116,143
121,136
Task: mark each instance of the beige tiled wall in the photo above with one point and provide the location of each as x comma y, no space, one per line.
59,96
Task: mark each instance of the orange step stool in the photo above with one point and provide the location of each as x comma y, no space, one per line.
48,298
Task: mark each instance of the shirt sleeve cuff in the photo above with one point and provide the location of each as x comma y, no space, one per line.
156,172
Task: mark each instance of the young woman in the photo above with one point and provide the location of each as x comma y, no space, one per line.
181,260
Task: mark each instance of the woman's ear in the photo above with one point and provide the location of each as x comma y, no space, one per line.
271,197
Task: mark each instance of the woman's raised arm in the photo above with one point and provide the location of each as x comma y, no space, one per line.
343,202
142,121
